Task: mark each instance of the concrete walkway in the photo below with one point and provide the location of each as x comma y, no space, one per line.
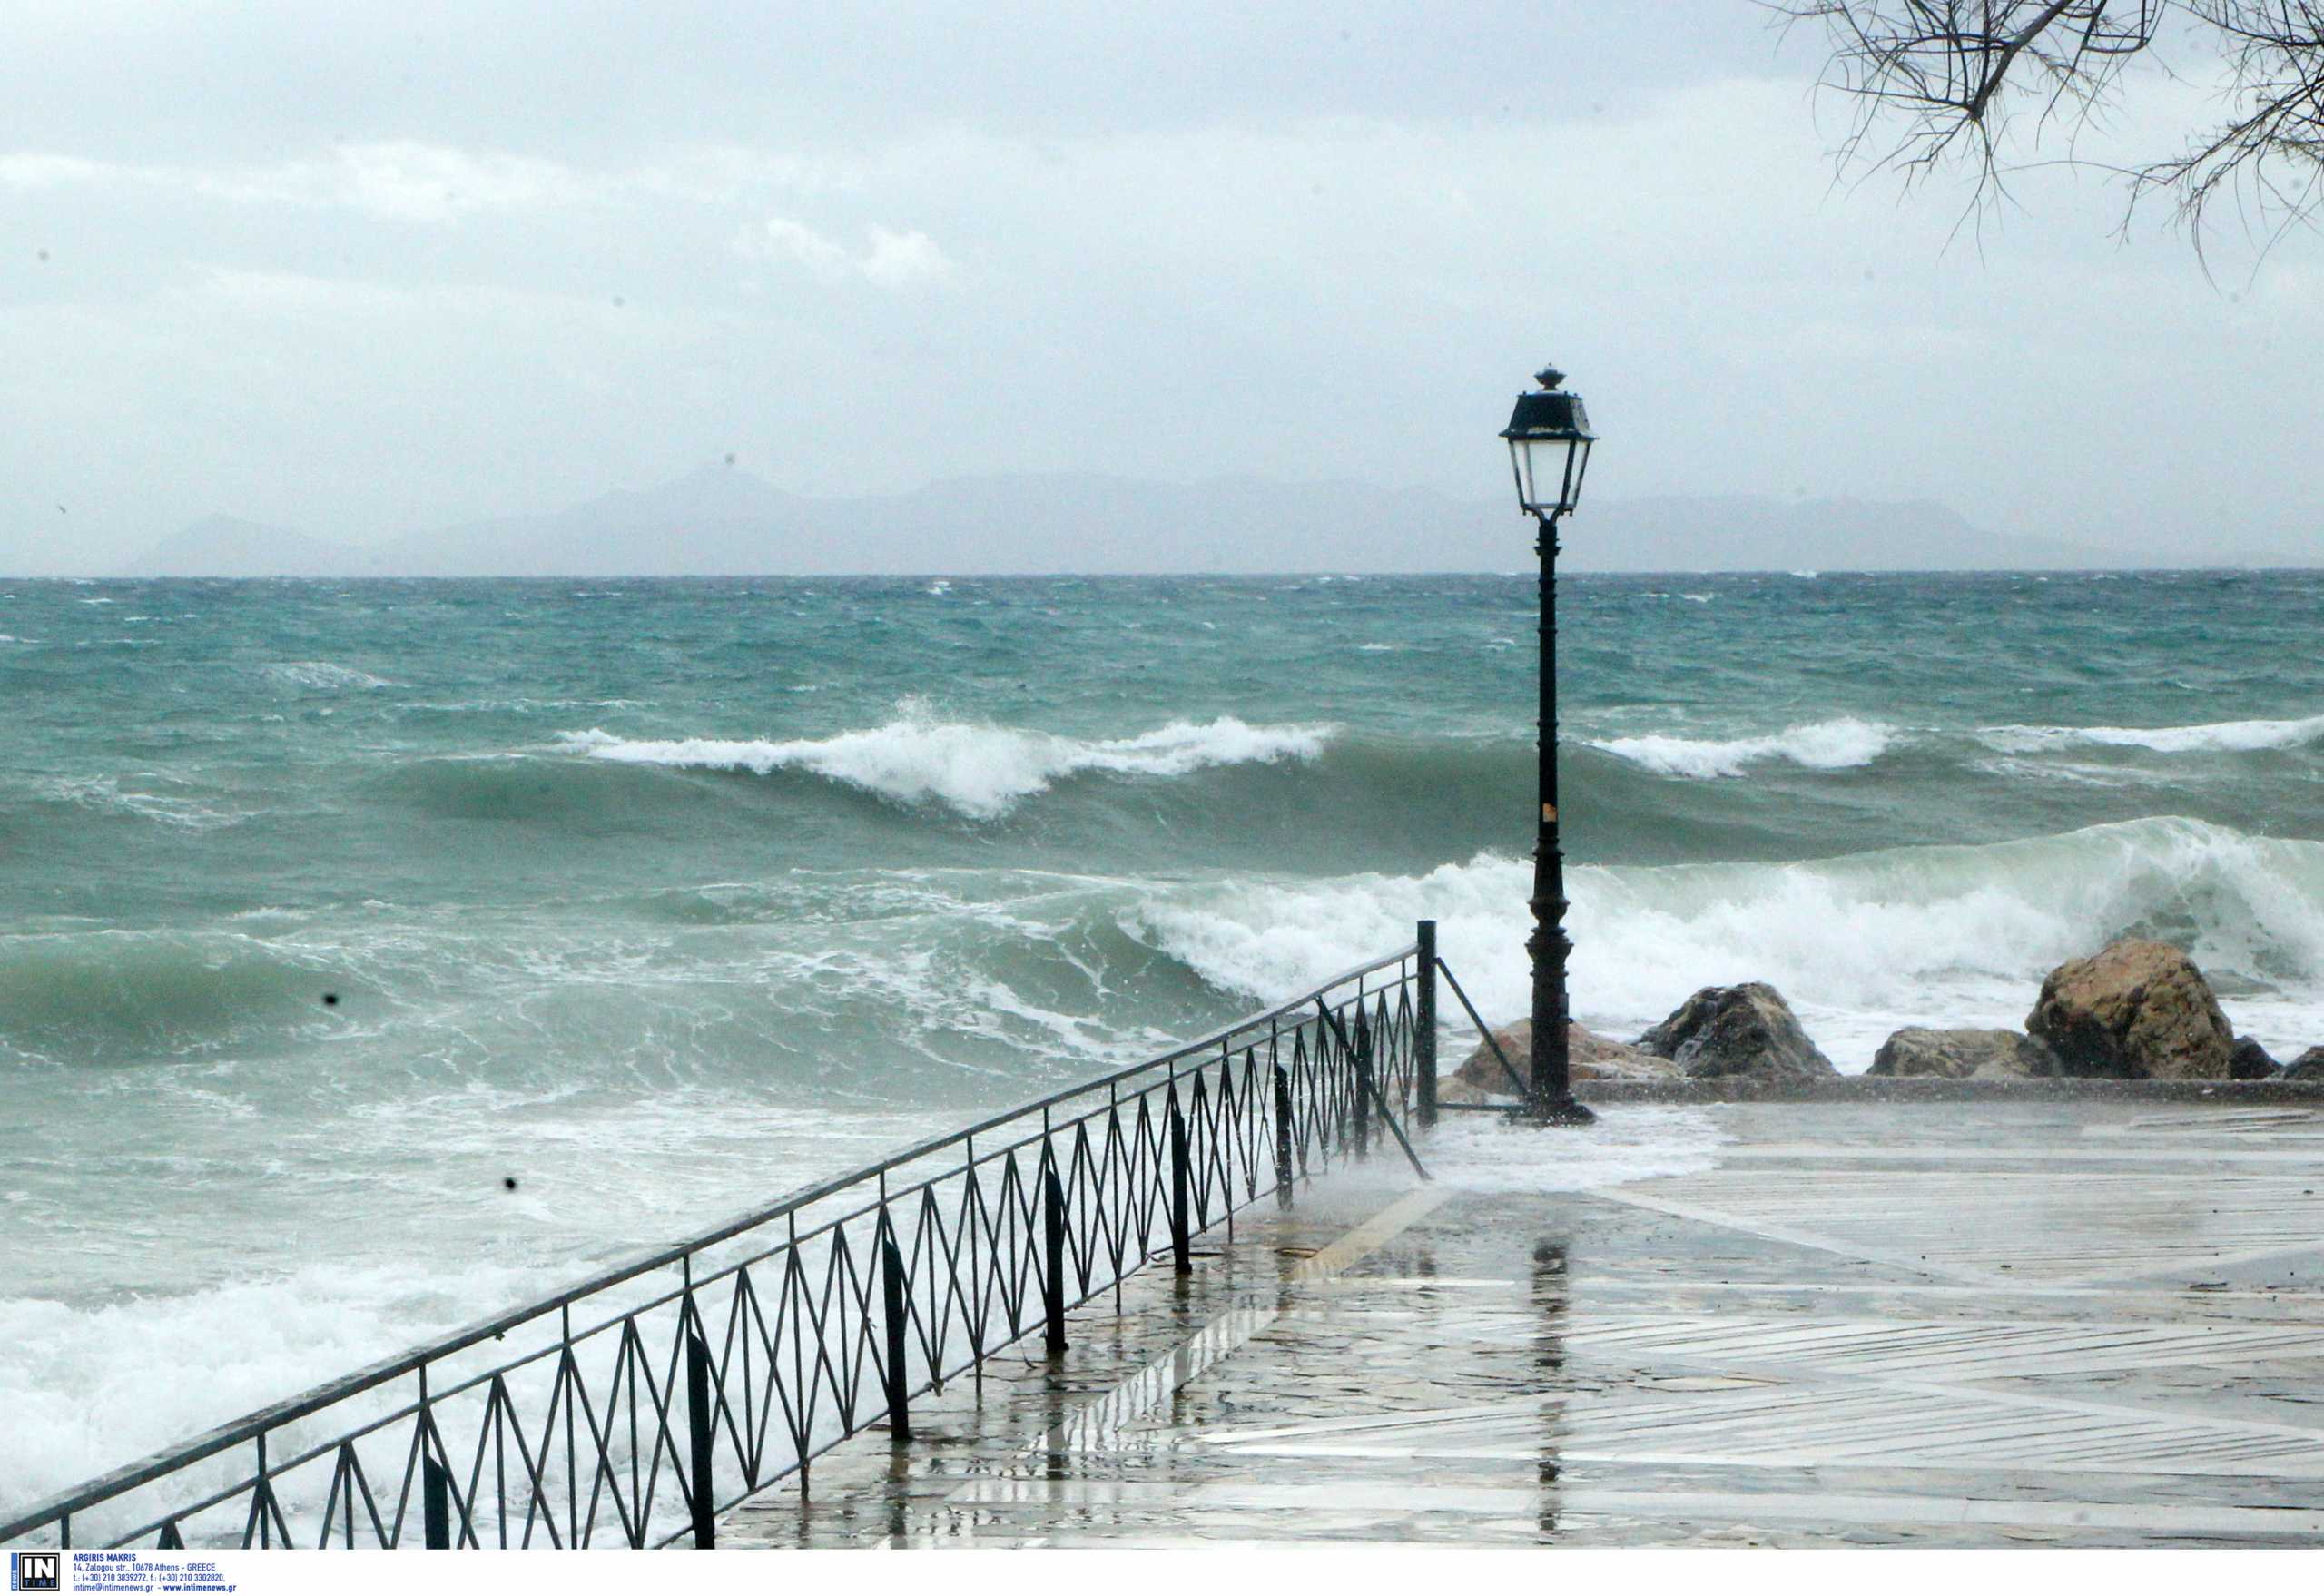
1920,1325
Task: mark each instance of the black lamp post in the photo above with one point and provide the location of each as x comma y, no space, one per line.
1549,448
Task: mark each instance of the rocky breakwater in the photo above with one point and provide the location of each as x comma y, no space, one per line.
1739,1030
2135,1011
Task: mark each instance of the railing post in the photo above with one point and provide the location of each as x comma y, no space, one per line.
1181,1252
891,1287
435,1501
1360,1064
701,1420
1053,1252
1284,1173
1424,1027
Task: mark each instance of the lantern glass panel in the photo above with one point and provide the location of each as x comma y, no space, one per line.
1548,471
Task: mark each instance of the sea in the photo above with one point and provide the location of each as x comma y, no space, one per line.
377,954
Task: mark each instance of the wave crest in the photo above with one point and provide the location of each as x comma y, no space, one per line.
1844,743
2213,737
981,770
110,996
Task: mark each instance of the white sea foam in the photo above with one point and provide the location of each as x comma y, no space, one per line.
321,675
2072,772
106,792
89,1389
1861,945
980,771
2215,737
1835,744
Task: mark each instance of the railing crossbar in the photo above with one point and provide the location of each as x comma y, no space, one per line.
1484,1030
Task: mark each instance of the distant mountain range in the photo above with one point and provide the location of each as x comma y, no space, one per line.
721,521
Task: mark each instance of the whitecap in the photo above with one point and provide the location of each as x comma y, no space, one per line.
2213,737
1845,743
980,771
322,676
106,793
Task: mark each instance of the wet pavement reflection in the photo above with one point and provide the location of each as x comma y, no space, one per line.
1932,1324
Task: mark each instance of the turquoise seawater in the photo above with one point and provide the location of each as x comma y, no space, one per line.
324,907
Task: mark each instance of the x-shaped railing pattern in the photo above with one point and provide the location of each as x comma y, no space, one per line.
632,1408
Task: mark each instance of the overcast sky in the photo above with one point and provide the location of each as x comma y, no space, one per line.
365,269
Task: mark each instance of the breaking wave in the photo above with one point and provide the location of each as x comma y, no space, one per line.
980,771
1844,743
1863,944
2216,737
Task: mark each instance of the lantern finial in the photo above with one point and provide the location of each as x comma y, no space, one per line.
1549,377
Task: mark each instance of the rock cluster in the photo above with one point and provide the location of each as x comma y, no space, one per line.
2135,1011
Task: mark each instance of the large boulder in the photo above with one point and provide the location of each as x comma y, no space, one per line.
2308,1066
1588,1057
1746,1029
2248,1061
2137,1010
1958,1055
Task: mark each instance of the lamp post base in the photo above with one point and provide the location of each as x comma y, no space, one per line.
1555,1111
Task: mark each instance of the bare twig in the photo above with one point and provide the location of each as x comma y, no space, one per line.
1939,83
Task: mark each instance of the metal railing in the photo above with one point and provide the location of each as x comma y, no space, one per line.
634,1407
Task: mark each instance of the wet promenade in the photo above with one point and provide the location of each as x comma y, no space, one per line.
1943,1325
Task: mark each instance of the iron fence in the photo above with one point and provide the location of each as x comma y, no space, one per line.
634,1407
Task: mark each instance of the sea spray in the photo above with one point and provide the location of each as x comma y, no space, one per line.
1861,943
